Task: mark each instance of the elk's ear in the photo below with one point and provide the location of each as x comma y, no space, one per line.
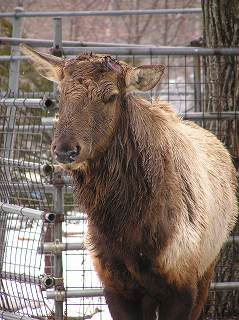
143,78
47,65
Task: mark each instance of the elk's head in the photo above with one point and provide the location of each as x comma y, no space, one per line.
92,92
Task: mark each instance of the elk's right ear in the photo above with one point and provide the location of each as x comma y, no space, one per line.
143,78
47,65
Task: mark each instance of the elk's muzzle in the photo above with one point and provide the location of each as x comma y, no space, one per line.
65,153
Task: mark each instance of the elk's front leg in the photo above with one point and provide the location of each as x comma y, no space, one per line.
121,292
122,308
177,305
172,301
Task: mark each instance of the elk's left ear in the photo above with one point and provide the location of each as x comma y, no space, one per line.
143,78
47,65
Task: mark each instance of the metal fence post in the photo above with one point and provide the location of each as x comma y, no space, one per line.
59,194
57,44
58,268
197,77
197,83
13,82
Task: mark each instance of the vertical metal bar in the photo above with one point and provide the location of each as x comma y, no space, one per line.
58,268
59,195
14,69
197,82
57,44
13,84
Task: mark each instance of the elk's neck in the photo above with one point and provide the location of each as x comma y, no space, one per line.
118,188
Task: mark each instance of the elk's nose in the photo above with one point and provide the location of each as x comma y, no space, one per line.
66,155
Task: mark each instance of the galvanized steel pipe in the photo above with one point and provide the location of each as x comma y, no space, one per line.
74,293
43,168
27,102
57,248
154,51
27,212
48,43
114,13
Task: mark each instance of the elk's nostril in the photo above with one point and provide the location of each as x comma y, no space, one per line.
72,154
64,155
77,150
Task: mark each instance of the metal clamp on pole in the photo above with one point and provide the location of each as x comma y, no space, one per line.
55,247
59,296
47,281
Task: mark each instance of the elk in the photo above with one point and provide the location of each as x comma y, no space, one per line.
159,192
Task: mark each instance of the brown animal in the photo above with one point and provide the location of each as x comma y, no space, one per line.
160,192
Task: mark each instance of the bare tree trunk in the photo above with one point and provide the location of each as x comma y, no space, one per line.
221,29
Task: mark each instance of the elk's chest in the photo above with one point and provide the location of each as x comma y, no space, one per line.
119,262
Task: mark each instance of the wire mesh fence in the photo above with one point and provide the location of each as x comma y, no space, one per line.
22,266
27,274
23,195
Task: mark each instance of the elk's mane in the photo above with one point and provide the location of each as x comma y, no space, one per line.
118,187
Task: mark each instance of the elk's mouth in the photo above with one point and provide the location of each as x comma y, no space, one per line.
73,165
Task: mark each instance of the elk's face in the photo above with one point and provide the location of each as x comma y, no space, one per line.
92,90
90,97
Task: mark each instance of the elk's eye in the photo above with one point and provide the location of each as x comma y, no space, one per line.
110,99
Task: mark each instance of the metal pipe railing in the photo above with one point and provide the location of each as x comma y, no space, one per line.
113,13
48,43
43,168
27,212
154,51
31,128
74,293
27,102
56,248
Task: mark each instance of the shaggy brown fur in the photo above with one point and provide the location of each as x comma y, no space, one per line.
135,194
160,192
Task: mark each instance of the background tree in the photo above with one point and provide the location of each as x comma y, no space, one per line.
221,29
